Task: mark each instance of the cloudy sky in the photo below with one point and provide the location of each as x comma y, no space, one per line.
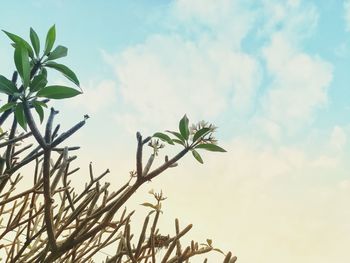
272,75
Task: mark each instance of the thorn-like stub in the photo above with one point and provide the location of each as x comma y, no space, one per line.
173,165
54,111
86,116
138,136
14,77
146,140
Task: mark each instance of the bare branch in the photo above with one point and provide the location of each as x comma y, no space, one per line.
139,155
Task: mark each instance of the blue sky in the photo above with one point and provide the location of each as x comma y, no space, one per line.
273,75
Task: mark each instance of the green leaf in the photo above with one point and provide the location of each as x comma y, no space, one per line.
179,142
58,52
210,147
197,156
17,39
7,106
200,133
183,127
6,86
178,135
57,92
50,39
38,83
43,71
35,41
20,117
149,205
39,110
22,63
219,250
209,242
67,72
42,104
163,137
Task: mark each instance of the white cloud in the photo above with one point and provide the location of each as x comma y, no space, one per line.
325,161
344,185
299,83
295,18
198,68
295,90
268,127
169,75
338,138
228,21
254,158
207,74
97,96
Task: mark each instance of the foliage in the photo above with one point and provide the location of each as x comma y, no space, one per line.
32,69
51,221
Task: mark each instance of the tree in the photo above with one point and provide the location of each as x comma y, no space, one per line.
51,221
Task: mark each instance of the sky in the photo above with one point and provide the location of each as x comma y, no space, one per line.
272,75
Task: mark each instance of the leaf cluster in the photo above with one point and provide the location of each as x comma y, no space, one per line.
197,137
31,65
